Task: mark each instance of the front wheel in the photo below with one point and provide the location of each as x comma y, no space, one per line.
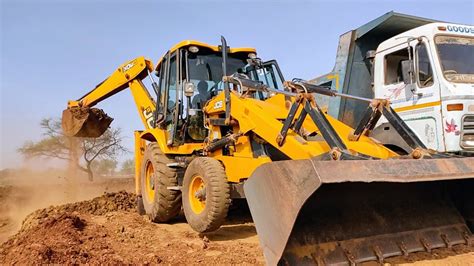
159,202
206,194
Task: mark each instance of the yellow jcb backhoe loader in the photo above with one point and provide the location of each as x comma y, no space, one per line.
226,125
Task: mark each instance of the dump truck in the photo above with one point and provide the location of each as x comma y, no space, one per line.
424,67
223,124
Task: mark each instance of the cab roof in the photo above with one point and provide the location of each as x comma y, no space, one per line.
215,48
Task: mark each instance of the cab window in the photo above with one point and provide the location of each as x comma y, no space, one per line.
393,66
269,74
424,71
270,77
205,71
172,84
162,80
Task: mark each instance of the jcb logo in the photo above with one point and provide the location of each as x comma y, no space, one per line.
128,66
148,114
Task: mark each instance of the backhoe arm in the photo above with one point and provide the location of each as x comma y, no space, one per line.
80,120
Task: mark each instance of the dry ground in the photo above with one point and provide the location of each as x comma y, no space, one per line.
107,229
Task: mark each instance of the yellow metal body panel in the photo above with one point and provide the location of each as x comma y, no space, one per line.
160,136
239,168
119,80
140,146
143,101
205,45
264,119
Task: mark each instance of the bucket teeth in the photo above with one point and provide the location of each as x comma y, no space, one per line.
379,248
468,237
446,240
350,257
378,253
425,244
403,248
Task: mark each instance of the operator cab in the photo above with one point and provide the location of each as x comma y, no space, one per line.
191,74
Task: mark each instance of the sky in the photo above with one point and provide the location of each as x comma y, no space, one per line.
53,51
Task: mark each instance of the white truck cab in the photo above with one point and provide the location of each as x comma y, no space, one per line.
427,73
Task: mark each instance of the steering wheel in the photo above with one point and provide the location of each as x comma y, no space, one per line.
450,71
425,83
213,90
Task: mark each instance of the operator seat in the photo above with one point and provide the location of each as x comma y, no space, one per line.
203,95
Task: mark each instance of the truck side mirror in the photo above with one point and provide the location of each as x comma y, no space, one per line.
407,71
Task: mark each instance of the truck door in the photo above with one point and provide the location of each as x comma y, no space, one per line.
417,102
425,101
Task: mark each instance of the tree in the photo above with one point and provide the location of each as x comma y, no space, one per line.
105,166
128,167
57,145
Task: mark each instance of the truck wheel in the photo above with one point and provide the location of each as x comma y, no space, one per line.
160,203
206,194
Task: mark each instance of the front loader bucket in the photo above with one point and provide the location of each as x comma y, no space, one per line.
85,122
348,212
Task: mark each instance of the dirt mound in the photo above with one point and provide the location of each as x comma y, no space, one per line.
63,232
4,219
21,195
112,201
107,229
109,202
56,234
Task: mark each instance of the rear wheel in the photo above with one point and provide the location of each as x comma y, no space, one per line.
206,194
160,203
140,207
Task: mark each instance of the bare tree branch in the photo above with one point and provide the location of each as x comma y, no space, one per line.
56,145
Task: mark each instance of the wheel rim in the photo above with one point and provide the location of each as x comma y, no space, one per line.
150,182
197,194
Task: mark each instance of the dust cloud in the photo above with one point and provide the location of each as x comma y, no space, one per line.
23,191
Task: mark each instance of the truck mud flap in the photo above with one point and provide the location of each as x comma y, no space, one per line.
348,212
85,122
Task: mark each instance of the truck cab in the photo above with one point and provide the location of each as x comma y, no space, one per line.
424,67
428,75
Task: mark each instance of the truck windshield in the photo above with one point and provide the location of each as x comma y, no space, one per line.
457,57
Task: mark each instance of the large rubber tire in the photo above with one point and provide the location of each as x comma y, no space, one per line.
160,203
208,213
140,207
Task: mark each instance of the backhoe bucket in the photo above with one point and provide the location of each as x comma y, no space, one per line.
85,122
349,212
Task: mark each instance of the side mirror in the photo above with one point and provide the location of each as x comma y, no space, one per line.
189,88
407,71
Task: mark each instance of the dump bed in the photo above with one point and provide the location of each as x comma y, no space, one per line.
352,71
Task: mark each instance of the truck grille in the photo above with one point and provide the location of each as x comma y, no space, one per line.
467,133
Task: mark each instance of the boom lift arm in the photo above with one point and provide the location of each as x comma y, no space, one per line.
80,119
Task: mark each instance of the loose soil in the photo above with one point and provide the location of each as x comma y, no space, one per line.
107,229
